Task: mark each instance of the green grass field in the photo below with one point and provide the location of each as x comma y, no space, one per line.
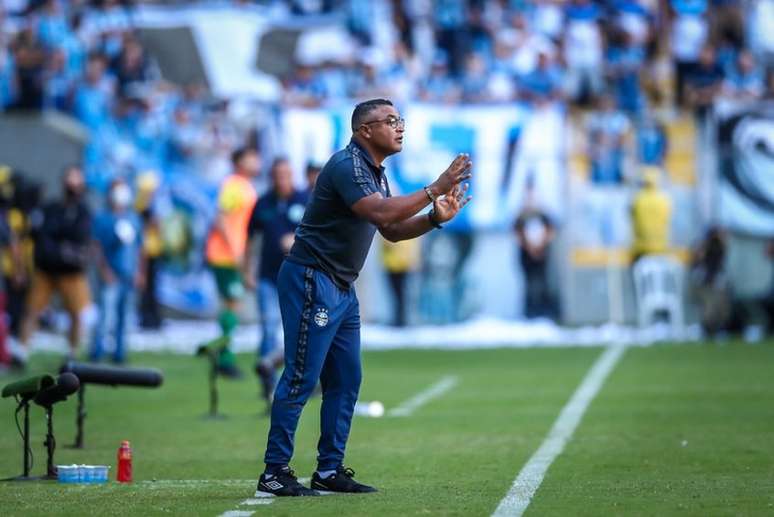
675,430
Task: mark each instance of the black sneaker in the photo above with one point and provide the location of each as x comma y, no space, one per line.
341,481
282,484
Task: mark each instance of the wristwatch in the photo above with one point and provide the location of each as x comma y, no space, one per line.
430,194
431,218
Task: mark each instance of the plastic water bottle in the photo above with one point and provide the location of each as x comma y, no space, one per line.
124,471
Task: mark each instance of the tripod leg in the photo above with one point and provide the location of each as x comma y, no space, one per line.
50,444
80,416
213,388
26,440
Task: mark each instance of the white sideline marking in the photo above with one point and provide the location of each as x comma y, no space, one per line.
183,483
532,473
423,397
255,502
236,513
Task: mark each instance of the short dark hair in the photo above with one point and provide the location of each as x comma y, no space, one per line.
313,168
279,160
238,153
363,109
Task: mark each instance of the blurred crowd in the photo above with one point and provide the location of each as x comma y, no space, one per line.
458,51
620,66
623,57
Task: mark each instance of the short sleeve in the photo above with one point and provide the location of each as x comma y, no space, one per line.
230,197
353,181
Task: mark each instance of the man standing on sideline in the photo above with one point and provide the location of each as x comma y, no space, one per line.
227,241
320,311
117,240
62,252
535,233
275,217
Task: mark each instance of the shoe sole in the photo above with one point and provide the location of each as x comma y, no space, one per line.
335,492
265,495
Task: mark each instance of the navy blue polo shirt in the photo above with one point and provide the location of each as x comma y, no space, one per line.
274,218
331,237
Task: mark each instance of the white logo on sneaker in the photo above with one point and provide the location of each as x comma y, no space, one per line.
321,318
273,485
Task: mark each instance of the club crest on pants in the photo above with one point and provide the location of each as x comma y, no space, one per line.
321,317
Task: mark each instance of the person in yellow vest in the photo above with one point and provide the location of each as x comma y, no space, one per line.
152,249
227,241
651,217
21,199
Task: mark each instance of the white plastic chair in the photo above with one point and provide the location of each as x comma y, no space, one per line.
658,288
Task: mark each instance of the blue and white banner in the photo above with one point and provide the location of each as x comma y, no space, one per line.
745,139
507,144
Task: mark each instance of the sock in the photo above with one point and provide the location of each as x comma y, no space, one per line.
271,470
325,474
226,357
228,320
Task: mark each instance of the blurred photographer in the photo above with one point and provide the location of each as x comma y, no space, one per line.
62,247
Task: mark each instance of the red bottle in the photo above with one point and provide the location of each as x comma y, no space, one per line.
124,474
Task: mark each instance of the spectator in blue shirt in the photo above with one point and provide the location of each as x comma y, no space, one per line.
275,217
117,238
93,97
58,83
543,83
745,80
475,80
583,51
652,141
607,129
624,62
692,7
439,86
583,10
73,47
7,71
452,34
52,25
304,88
704,81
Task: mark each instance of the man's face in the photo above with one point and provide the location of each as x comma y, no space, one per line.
379,130
74,183
707,57
282,175
250,163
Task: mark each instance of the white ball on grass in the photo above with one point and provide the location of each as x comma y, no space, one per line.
376,409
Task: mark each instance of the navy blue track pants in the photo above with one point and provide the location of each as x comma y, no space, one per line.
322,341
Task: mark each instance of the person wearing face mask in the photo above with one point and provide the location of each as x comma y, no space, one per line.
62,237
117,243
